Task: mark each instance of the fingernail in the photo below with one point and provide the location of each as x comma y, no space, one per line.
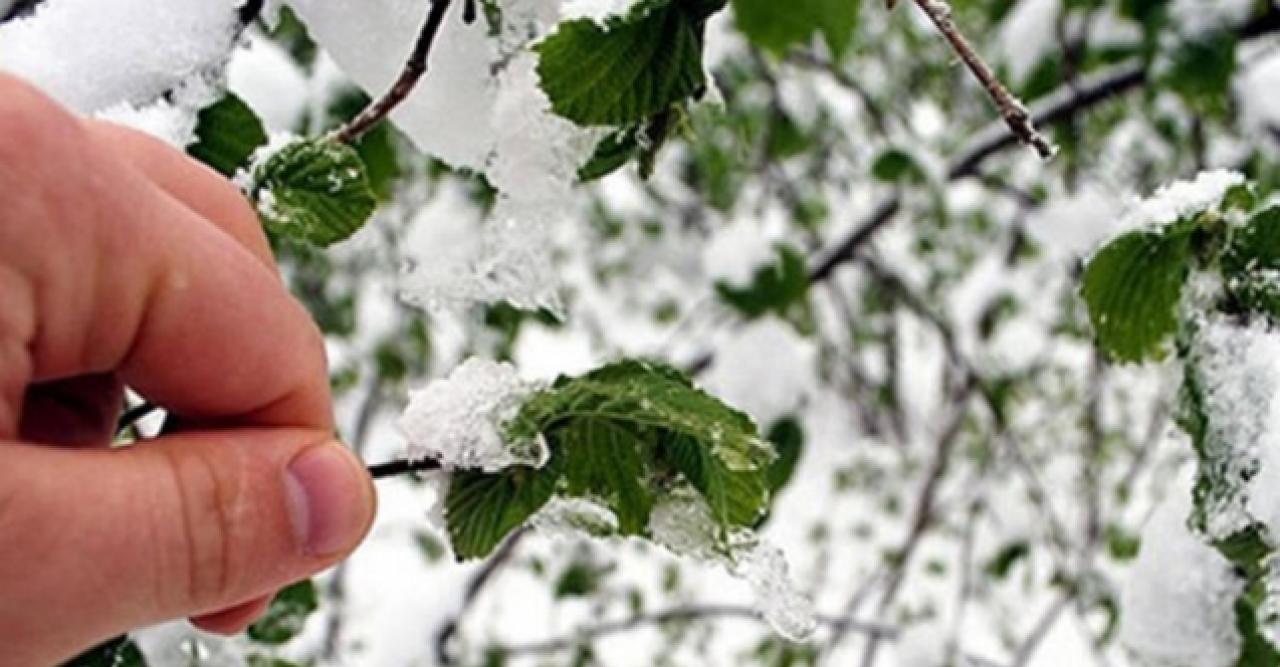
328,499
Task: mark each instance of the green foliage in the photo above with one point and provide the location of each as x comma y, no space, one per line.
115,652
287,614
777,26
897,166
1132,288
1251,260
481,508
619,436
227,134
787,436
624,73
775,288
1201,72
313,191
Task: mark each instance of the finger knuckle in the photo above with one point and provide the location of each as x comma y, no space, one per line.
209,496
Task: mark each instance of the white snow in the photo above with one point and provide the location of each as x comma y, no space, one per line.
1181,198
736,251
1240,372
766,349
570,518
92,55
163,120
1196,18
682,523
268,80
596,10
458,420
1178,601
506,258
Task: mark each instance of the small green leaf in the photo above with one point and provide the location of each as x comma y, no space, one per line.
775,288
897,166
115,652
610,155
287,614
787,436
482,509
625,73
314,191
1132,288
777,26
227,134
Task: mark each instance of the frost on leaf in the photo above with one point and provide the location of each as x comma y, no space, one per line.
458,420
311,191
682,523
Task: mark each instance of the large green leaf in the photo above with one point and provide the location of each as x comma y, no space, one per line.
314,191
1132,288
655,410
481,509
626,72
227,134
777,26
286,615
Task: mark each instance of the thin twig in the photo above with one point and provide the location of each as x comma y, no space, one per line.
676,615
478,582
1011,109
402,467
414,68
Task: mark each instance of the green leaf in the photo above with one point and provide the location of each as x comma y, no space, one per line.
287,614
654,411
787,436
625,73
314,191
610,155
1132,288
896,166
227,134
1201,71
775,288
1252,260
115,652
482,509
604,460
777,26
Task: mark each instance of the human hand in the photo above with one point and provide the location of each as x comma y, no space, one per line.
123,263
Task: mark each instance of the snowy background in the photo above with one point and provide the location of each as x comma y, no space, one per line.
976,485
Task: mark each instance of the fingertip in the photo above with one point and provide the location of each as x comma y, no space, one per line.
236,619
331,499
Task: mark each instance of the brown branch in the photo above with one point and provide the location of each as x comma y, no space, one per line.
1011,109
478,582
414,69
675,615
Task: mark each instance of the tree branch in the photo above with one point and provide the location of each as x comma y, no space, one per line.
414,68
1012,110
675,615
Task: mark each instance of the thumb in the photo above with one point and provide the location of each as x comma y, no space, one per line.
98,542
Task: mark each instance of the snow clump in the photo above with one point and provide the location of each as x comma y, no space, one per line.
459,420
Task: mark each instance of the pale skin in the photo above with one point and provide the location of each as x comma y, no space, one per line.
124,263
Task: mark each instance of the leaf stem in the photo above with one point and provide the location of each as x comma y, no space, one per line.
414,68
1011,109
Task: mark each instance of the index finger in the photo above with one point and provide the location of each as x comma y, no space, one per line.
102,270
